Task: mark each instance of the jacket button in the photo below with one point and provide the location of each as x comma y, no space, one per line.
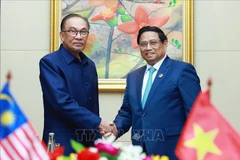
143,114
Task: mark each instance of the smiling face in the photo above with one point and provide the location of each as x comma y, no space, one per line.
151,48
74,44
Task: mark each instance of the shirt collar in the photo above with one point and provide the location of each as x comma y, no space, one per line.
69,57
157,65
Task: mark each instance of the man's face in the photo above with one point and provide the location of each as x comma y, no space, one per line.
151,48
74,43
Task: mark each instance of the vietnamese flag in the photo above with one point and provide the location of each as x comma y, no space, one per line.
207,135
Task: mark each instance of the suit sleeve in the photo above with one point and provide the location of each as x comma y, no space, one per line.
123,120
56,94
189,86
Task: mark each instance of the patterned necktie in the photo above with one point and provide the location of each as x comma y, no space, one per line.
148,86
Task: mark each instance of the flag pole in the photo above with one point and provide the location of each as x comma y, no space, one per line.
9,76
209,86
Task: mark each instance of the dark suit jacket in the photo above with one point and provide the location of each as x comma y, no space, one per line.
171,97
70,97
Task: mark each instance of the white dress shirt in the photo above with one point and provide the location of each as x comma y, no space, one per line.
145,78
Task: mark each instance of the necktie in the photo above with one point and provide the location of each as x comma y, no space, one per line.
148,86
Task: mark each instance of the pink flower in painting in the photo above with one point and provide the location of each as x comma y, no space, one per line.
106,14
141,19
107,3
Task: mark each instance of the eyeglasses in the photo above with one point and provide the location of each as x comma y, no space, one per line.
153,43
73,33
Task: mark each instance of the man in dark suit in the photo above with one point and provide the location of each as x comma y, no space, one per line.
69,84
158,96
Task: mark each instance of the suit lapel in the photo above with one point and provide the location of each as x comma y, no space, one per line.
162,72
139,82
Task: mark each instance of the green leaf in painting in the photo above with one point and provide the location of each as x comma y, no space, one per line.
176,42
172,40
179,46
126,18
170,3
174,1
76,145
112,22
121,10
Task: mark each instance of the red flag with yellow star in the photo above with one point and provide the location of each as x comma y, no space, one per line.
207,135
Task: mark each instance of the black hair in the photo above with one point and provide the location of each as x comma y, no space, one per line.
161,34
71,16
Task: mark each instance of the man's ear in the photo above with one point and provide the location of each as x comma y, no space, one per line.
165,43
61,36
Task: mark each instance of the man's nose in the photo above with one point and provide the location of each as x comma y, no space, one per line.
78,35
149,46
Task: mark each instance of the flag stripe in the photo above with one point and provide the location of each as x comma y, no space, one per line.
22,143
26,143
9,149
15,142
18,138
37,145
4,154
26,135
10,145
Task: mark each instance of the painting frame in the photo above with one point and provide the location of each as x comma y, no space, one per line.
118,85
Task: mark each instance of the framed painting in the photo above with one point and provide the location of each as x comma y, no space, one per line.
114,25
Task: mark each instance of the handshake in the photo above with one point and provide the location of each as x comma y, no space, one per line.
107,129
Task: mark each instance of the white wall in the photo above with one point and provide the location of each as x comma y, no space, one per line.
25,38
217,53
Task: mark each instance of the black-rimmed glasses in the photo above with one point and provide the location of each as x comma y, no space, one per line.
73,33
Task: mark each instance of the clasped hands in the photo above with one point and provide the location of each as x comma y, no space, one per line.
106,129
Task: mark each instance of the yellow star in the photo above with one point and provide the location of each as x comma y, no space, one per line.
203,142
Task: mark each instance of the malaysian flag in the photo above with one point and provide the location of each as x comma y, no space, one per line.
18,140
